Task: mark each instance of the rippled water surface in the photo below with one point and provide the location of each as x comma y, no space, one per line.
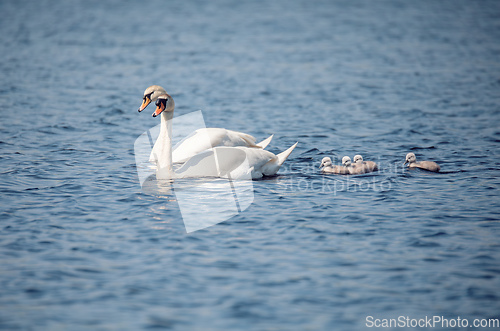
82,247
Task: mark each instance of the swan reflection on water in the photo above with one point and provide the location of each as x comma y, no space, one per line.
203,202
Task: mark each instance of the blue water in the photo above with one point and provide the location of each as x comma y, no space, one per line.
84,248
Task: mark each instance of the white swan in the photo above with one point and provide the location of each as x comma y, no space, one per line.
201,139
366,166
411,159
236,162
328,168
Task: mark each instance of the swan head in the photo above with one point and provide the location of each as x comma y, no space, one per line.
325,162
358,159
410,158
164,103
346,161
151,94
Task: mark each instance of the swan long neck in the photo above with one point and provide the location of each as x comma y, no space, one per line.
165,157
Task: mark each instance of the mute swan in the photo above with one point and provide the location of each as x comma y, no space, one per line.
237,162
201,139
327,167
411,159
367,166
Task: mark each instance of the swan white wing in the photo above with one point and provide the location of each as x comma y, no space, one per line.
197,142
231,138
217,162
206,138
233,162
200,165
264,163
203,139
257,160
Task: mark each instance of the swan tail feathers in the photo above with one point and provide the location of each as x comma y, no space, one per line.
248,139
263,144
284,155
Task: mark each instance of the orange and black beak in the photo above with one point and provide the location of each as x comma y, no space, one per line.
145,102
160,106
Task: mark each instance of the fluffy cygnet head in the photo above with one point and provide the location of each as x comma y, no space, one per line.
410,158
358,159
325,162
151,94
346,161
164,103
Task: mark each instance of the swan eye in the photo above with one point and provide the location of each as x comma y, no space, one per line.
161,102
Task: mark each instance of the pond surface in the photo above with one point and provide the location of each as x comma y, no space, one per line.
83,247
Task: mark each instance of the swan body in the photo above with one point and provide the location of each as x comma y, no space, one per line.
364,166
234,162
201,139
328,168
411,159
206,138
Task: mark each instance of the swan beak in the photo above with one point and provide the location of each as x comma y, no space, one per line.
145,103
321,166
159,109
406,162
